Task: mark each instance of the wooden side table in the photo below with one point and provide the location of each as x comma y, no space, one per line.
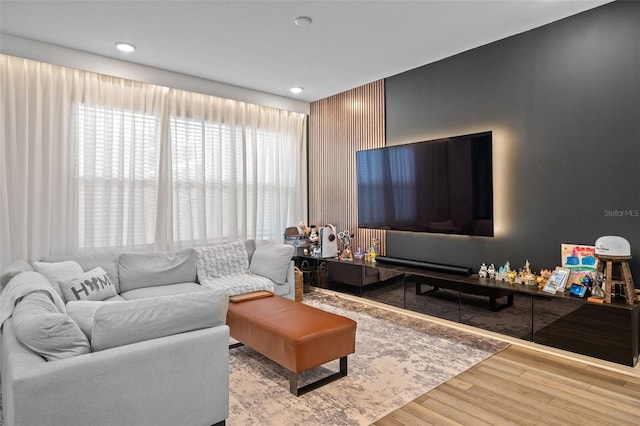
606,265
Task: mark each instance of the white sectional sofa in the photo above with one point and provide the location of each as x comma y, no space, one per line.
158,356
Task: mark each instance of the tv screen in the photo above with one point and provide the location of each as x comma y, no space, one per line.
440,186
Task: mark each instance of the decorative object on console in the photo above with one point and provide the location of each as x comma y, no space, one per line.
612,246
596,289
345,238
302,228
578,290
313,236
491,271
297,237
578,257
528,278
328,241
502,272
557,280
613,251
373,251
482,272
544,276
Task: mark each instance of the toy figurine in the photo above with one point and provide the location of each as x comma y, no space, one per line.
371,255
482,273
313,239
345,238
374,245
491,270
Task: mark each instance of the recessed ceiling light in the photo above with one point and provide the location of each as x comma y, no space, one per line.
296,90
303,21
123,46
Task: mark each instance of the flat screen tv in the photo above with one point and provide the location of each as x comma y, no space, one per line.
439,186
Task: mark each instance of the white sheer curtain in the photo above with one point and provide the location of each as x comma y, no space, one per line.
236,169
116,127
36,165
92,162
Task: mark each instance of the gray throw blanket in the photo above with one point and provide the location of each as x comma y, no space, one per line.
20,286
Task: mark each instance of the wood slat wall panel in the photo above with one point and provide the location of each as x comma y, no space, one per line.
338,127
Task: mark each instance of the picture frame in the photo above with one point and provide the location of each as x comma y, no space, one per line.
557,280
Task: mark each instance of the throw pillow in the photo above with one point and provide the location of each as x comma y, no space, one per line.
59,272
222,260
40,327
107,260
271,260
138,270
123,323
82,312
92,285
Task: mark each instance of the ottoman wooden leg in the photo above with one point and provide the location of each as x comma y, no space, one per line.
293,379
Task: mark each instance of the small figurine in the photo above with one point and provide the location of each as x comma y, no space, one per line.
491,270
303,229
313,239
596,287
346,237
518,277
374,246
371,255
346,254
482,273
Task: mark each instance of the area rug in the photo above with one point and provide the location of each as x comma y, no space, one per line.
398,358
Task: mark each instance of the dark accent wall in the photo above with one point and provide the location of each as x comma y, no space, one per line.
563,102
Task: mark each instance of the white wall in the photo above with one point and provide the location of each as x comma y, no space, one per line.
49,53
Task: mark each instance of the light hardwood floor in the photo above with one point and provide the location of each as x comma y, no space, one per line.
521,386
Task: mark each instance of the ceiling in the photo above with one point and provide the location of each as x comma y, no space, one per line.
256,45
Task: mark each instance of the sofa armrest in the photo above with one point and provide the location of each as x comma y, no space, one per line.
16,267
178,379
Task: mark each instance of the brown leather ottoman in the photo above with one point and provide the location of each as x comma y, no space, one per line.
296,336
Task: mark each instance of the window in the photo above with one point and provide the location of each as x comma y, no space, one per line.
117,172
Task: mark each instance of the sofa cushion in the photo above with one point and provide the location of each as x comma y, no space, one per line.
271,260
138,270
222,260
39,325
92,285
59,272
106,260
162,290
82,313
122,323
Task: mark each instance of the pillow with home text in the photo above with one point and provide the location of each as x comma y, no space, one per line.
92,285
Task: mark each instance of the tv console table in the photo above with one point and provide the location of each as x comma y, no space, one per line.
467,286
606,331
